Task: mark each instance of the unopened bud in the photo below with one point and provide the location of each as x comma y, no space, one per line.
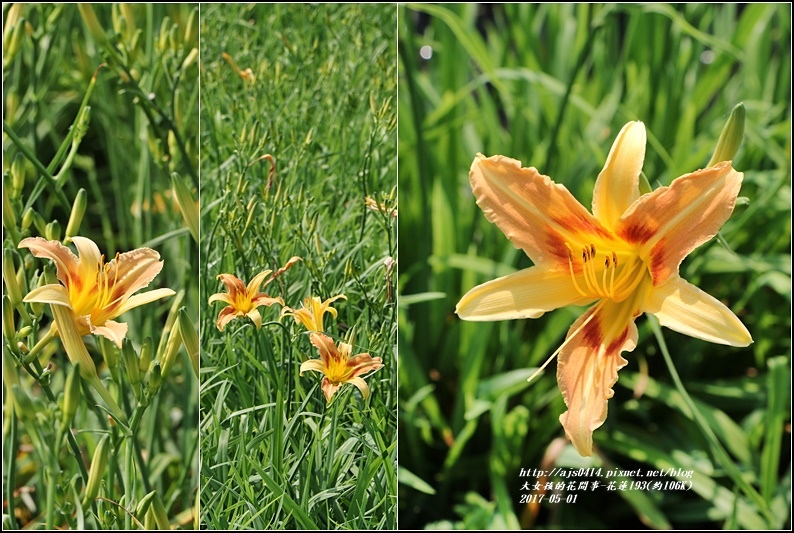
10,277
9,323
14,43
9,216
92,23
155,378
191,29
731,137
189,338
12,19
99,463
52,232
146,355
187,204
76,216
190,59
162,38
171,351
18,173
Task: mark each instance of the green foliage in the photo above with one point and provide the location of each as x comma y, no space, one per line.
319,101
551,85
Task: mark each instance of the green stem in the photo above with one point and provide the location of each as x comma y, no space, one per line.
717,449
33,354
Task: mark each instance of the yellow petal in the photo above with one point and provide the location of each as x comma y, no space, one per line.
114,331
325,347
313,364
221,297
536,214
66,263
682,307
264,299
90,257
588,365
49,294
254,315
234,285
226,315
617,186
329,389
527,293
362,386
363,363
253,285
133,271
141,299
672,221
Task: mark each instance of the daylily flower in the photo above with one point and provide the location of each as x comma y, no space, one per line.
338,366
311,314
624,258
245,300
95,291
375,205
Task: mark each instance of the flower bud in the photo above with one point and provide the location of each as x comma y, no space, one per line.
76,216
731,137
171,351
190,59
10,277
130,359
12,18
162,38
14,43
129,19
24,332
18,173
9,324
92,23
158,512
99,463
191,29
189,338
187,204
9,216
155,378
71,396
146,355
52,232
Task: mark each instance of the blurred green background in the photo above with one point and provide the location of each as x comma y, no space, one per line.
551,85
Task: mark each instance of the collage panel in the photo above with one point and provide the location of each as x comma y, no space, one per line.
298,254
100,264
573,177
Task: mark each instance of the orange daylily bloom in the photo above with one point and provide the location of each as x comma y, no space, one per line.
375,205
338,366
97,292
624,258
311,314
245,300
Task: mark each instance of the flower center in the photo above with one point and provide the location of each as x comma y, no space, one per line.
607,275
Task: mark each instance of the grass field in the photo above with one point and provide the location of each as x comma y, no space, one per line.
313,88
551,86
98,112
